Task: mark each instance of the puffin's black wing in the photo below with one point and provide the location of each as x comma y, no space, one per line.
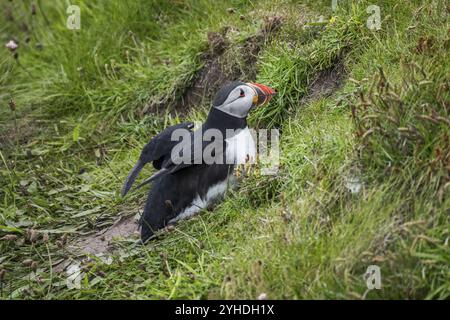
196,156
157,151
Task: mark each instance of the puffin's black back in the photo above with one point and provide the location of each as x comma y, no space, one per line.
160,147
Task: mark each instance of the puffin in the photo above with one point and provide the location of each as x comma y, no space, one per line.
181,189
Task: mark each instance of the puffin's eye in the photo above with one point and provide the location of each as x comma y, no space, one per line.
242,93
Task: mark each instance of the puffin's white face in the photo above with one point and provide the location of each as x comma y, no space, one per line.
239,101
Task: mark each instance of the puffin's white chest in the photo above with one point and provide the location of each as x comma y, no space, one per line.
199,203
241,148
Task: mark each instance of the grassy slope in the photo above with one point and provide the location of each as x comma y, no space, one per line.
300,234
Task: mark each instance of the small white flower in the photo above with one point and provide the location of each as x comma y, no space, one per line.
12,45
74,276
354,184
108,260
262,296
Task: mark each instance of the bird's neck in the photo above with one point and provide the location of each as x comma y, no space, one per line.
222,121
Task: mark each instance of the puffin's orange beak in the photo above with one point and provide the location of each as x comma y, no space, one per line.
264,93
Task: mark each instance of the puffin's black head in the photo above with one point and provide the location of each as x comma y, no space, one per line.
238,98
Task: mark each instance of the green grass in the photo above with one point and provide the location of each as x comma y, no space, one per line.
83,114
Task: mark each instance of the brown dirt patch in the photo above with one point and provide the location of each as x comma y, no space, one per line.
224,62
326,82
216,73
101,242
26,130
